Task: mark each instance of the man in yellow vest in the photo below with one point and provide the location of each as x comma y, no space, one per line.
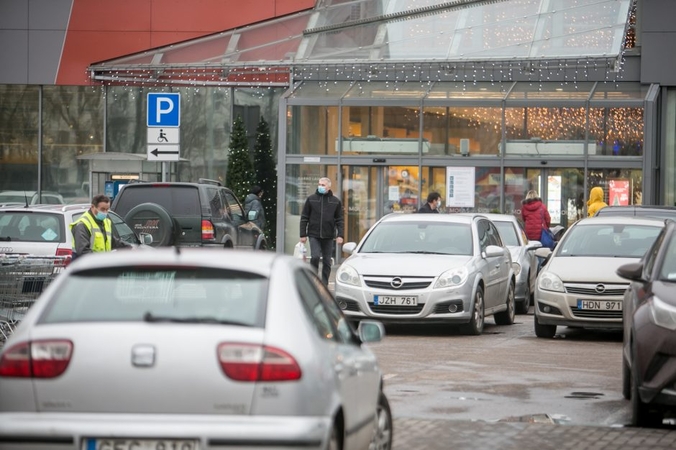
92,232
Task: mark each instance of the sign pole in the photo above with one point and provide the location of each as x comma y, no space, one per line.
165,170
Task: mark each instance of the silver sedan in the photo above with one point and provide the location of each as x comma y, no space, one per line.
523,255
191,350
448,268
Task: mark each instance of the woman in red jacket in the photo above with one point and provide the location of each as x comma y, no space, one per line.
534,215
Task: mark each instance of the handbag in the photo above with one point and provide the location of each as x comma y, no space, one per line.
546,236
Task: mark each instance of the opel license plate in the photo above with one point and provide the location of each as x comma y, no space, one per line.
141,444
394,301
599,305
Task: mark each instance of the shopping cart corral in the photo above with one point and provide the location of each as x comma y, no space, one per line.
22,280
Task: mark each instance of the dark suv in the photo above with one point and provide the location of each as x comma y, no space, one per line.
203,214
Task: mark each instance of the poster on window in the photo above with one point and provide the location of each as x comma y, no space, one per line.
618,192
460,184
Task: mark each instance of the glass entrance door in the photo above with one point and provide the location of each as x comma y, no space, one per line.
562,192
370,192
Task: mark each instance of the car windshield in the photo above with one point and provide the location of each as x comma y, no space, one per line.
668,269
31,226
177,294
507,233
419,237
608,240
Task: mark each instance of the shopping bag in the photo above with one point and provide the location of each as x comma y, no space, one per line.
547,239
300,251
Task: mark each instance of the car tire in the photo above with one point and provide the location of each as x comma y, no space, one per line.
507,317
641,414
476,324
543,331
522,307
626,380
383,430
163,232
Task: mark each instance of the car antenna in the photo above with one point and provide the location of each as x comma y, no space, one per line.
178,250
25,196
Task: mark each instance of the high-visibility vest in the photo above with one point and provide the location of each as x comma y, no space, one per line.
97,242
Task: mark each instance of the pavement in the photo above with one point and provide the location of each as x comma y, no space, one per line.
417,434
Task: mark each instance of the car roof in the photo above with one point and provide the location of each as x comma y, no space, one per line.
499,217
49,208
450,218
621,220
242,260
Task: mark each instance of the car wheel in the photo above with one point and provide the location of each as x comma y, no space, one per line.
522,307
153,219
476,323
626,380
543,331
507,317
382,433
641,414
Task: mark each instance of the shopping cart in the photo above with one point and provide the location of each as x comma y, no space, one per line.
22,280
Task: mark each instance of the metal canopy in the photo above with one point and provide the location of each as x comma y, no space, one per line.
360,39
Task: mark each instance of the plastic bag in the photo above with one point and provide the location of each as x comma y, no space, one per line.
300,251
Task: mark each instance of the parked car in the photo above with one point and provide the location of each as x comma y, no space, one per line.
182,348
649,349
448,268
523,255
664,212
203,214
31,198
578,286
43,230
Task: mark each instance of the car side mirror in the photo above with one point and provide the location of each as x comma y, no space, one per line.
543,252
631,271
533,245
252,215
370,331
349,247
146,238
493,251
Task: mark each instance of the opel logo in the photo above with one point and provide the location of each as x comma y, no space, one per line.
396,282
600,289
6,250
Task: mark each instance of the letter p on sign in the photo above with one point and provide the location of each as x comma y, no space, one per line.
164,109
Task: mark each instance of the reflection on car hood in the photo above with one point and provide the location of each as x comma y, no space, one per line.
404,263
588,269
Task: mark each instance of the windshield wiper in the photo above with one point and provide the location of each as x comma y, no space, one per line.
425,252
149,317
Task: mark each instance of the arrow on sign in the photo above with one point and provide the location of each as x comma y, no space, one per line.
158,152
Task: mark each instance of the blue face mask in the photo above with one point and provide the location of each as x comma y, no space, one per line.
321,190
101,215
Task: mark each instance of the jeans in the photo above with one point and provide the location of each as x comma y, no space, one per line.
321,248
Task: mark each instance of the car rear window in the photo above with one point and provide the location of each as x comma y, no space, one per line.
31,226
165,294
177,200
507,233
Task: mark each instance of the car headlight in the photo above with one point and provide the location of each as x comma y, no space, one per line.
348,275
663,314
548,281
452,277
517,268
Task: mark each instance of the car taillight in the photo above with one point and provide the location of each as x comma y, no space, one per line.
66,255
36,359
251,362
207,229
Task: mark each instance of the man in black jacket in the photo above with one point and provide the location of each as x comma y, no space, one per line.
432,205
322,221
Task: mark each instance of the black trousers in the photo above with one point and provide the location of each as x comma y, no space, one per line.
321,248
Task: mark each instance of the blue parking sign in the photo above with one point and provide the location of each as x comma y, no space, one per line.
164,109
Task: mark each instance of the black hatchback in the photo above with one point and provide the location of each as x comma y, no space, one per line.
202,214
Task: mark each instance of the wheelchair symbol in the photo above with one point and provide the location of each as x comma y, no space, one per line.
162,137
